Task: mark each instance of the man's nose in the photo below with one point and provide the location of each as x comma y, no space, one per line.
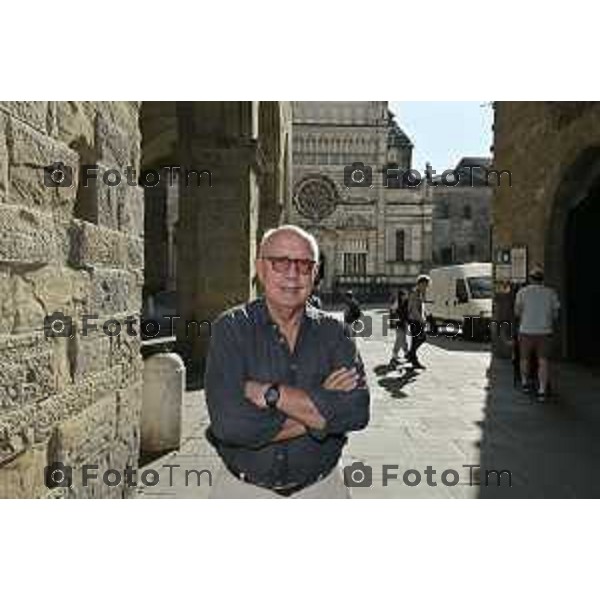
293,269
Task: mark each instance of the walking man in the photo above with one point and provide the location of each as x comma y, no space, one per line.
284,383
399,320
417,319
536,307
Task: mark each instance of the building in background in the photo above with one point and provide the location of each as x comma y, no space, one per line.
462,214
374,232
550,215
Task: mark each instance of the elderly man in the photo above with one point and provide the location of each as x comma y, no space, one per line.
284,383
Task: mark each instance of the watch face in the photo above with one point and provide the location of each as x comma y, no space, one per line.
271,396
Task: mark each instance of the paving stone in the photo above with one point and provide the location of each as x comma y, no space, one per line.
447,417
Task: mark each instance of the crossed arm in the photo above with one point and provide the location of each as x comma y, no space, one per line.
237,408
297,405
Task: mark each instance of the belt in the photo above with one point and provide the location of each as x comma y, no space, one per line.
285,490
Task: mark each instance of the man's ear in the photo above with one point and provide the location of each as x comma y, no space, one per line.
259,266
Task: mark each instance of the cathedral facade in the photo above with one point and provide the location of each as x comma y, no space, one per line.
374,230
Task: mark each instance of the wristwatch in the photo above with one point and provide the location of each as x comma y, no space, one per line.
271,396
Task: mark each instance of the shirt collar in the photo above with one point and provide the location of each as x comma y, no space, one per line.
309,313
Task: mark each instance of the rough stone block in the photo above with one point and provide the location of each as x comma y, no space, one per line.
119,206
75,126
27,375
29,311
26,370
63,406
55,288
131,211
16,431
135,253
27,236
98,246
34,113
114,146
124,115
29,153
108,199
91,353
23,477
90,433
114,292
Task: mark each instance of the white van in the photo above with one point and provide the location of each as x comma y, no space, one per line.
460,292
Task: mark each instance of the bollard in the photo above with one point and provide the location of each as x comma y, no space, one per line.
162,403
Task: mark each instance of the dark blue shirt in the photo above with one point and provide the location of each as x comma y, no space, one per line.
247,344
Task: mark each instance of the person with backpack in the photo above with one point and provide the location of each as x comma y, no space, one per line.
398,321
417,319
352,311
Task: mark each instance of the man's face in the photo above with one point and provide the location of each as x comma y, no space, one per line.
422,286
287,270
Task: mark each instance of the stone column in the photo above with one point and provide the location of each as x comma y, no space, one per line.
217,225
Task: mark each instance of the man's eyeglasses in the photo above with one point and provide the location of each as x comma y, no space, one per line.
282,264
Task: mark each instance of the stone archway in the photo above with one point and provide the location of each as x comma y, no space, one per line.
571,253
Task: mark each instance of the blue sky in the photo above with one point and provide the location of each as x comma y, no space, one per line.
443,132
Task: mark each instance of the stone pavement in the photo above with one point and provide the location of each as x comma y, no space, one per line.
461,411
552,450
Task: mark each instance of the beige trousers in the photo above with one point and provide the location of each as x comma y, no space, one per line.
228,486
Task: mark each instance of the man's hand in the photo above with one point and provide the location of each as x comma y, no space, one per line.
255,392
343,379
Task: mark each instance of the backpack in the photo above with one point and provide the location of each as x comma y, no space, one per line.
352,312
399,313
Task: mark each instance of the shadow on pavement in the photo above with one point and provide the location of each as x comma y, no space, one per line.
552,450
394,384
458,344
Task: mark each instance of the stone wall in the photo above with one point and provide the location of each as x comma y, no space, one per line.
541,144
77,251
467,237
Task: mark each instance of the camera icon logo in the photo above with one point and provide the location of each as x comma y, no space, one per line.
358,175
362,327
58,175
57,474
358,475
58,325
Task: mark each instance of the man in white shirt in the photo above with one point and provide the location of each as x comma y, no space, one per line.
536,306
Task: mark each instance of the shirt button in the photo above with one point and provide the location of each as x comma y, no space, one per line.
279,456
293,366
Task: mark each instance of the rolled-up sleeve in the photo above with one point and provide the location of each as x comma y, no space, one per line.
234,420
343,411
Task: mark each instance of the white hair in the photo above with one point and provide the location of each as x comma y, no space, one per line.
308,237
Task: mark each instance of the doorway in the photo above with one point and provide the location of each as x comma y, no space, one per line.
582,289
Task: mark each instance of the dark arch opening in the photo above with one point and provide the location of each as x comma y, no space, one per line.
571,257
582,297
